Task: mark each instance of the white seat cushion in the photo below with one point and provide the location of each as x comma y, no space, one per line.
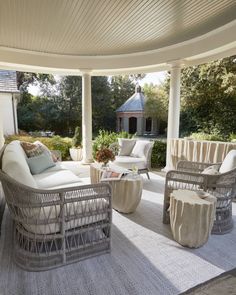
14,164
47,180
229,162
71,209
128,162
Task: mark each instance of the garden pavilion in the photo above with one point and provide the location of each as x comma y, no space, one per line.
131,116
91,38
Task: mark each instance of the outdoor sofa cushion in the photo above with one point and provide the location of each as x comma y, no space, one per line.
71,209
40,163
141,148
229,162
211,170
14,164
126,146
48,179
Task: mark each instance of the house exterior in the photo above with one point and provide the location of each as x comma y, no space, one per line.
9,95
131,116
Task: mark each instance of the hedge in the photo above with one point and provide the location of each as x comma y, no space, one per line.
62,144
158,159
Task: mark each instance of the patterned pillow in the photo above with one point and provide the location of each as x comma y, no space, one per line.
31,149
39,143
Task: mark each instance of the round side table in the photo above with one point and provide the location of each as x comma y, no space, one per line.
126,192
191,217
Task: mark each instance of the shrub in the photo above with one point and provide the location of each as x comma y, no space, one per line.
232,137
76,140
206,136
53,143
158,158
106,138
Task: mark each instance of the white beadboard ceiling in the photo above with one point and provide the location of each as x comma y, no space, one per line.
114,36
107,27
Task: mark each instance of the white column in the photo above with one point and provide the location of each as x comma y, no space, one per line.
87,118
173,110
2,140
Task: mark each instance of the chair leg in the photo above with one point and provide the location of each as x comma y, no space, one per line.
148,175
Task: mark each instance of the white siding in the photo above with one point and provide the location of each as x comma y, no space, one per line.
7,113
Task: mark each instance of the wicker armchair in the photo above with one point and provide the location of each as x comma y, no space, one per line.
223,186
116,148
56,227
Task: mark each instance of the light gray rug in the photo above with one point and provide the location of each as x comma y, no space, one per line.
144,258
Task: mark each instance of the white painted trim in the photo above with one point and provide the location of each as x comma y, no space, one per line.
219,42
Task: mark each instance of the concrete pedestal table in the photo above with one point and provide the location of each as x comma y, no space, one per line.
126,192
192,216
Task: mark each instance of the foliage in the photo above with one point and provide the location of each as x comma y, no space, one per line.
215,136
208,98
158,158
121,89
106,138
156,105
58,108
53,143
157,102
76,140
136,77
232,137
104,155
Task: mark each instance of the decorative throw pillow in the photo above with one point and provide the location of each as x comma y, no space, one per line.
229,162
40,163
39,143
31,149
126,146
211,170
140,148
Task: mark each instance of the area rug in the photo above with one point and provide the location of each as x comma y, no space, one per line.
145,260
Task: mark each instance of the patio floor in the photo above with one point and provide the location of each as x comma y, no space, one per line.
144,259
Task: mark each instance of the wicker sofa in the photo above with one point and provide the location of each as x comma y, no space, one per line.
57,219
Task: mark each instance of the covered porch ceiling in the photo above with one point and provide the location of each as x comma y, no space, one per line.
109,37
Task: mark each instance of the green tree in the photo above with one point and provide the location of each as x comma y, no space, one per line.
208,97
121,89
156,104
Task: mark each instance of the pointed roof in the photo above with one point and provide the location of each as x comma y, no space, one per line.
8,81
135,103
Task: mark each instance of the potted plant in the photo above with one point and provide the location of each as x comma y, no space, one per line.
104,155
76,150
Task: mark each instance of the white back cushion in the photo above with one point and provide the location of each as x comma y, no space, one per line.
141,149
229,162
126,146
14,164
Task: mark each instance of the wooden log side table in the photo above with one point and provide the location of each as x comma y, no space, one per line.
126,192
192,216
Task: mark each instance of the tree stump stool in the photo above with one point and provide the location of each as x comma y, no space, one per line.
192,216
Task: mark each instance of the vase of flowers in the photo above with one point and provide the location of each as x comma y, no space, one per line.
104,155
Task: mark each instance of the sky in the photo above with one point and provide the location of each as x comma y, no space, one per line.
155,78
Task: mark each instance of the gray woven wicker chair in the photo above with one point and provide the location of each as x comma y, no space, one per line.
223,187
56,227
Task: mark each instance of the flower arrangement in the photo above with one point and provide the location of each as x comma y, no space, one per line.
104,155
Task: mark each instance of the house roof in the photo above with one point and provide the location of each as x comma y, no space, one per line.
8,82
135,103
